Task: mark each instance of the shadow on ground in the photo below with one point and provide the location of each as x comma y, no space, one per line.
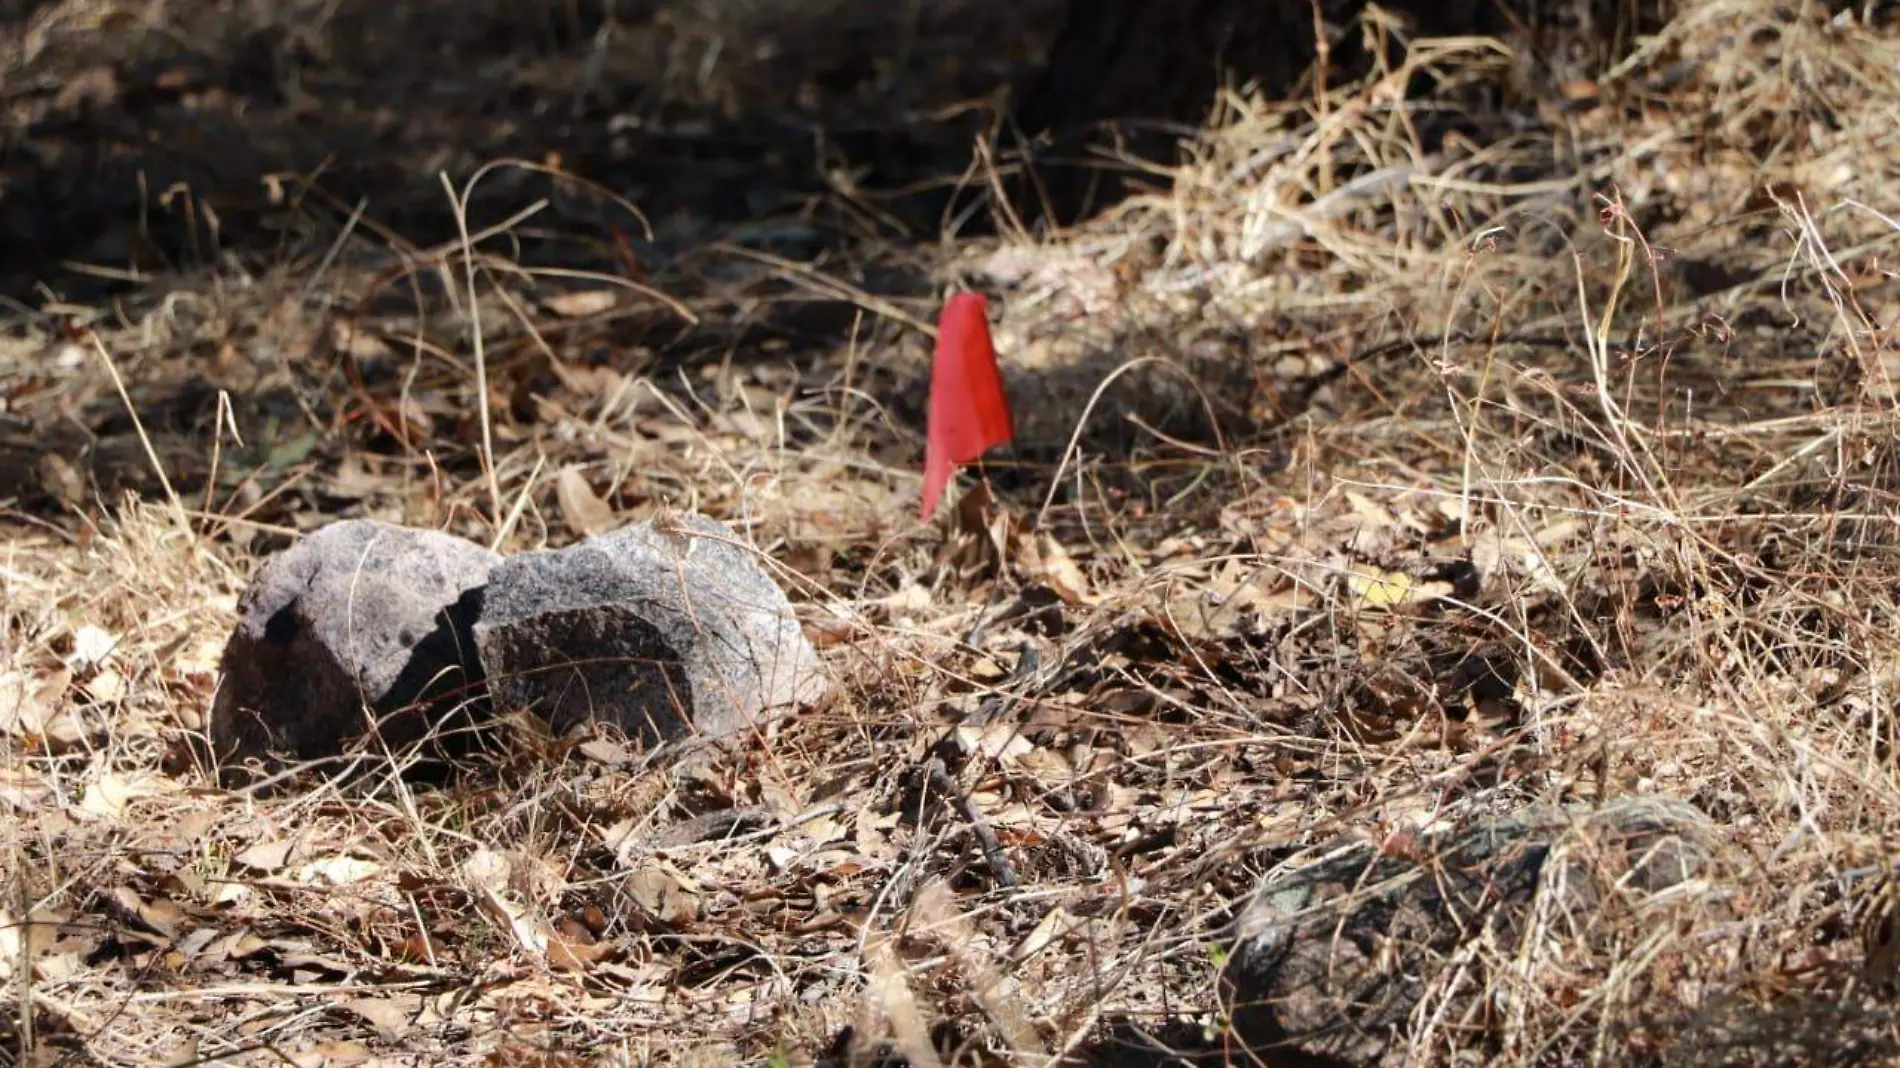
136,146
144,151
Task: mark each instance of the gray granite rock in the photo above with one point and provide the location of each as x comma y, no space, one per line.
361,623
1331,959
664,629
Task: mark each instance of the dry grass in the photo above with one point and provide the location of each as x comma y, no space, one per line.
1549,459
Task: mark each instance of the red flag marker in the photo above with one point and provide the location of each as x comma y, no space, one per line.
968,412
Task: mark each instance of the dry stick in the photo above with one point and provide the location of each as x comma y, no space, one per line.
336,248
151,454
673,304
23,967
830,287
1075,438
460,204
986,840
223,417
938,769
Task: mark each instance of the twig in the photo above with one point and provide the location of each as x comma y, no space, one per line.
993,854
950,748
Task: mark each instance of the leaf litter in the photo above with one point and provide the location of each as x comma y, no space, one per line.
1494,528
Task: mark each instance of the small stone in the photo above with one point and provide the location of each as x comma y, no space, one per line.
664,629
1331,960
360,619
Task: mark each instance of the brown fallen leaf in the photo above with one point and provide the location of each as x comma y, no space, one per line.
391,1016
267,857
340,869
665,893
605,751
159,914
583,510
108,796
1046,561
576,956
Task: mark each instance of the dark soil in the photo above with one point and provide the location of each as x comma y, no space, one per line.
132,144
253,130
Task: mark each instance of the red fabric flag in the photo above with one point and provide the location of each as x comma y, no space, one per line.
968,412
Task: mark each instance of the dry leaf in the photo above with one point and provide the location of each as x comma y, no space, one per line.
603,751
665,893
340,869
92,647
580,303
390,1016
25,706
1044,560
487,873
108,796
584,512
1376,589
268,857
574,955
25,941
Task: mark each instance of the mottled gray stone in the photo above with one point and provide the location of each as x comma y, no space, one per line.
663,629
361,623
1331,959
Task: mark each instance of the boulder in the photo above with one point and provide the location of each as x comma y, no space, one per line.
1331,959
664,629
360,625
